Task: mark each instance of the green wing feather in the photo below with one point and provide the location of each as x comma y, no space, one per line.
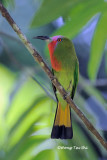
54,88
76,77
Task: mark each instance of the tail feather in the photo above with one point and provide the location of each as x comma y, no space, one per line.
62,127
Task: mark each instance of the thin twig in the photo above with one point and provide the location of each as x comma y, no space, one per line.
44,66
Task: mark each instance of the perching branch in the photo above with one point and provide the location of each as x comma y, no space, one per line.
44,66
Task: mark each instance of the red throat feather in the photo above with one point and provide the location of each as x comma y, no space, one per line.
56,65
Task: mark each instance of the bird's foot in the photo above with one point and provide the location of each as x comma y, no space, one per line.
65,96
53,78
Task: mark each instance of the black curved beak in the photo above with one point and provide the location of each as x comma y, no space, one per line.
42,37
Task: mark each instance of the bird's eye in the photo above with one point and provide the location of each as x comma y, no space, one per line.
59,39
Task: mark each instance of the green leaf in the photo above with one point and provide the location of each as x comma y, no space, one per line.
30,90
7,2
97,47
6,83
92,91
50,10
79,17
46,155
29,105
97,95
28,121
23,152
81,102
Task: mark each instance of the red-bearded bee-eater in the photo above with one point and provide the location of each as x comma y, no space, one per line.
65,67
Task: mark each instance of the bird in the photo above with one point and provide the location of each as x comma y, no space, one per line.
65,67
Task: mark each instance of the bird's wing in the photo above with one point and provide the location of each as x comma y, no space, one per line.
76,77
54,88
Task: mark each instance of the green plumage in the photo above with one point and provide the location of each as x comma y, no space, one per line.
65,67
69,73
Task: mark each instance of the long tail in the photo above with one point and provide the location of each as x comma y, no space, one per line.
62,127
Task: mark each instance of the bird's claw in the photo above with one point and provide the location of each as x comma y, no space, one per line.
65,96
53,78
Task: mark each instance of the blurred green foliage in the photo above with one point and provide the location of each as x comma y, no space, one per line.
27,103
25,122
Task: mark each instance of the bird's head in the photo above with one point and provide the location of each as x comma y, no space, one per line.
54,42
